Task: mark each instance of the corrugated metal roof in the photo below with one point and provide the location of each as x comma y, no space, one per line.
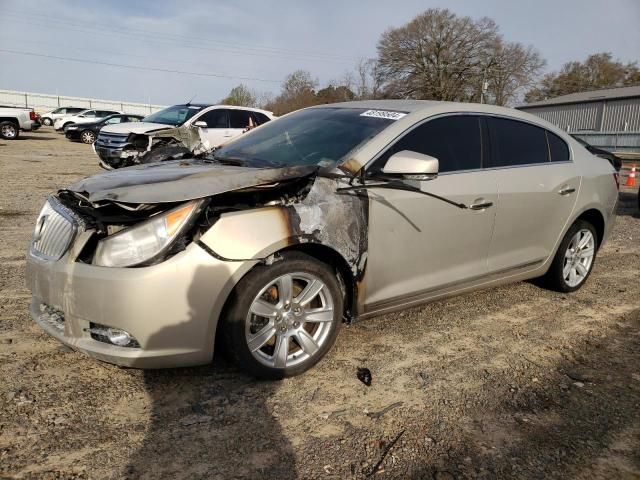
592,96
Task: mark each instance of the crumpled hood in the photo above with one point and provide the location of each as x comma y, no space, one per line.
134,127
180,180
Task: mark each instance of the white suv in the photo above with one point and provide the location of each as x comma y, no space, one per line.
218,124
85,116
50,117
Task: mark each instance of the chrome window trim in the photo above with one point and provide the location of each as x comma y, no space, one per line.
377,156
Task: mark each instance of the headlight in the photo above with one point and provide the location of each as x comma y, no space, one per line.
72,127
146,240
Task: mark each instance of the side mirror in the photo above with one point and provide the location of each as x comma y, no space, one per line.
200,124
410,165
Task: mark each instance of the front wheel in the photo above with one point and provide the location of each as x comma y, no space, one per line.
47,122
283,318
574,259
88,137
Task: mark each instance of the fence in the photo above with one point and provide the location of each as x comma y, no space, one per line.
623,142
42,102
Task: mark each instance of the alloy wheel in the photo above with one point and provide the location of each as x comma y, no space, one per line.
579,257
289,320
9,131
88,137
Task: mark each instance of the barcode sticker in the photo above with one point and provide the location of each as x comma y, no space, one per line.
383,114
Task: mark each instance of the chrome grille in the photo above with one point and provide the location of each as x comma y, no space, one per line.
111,140
56,228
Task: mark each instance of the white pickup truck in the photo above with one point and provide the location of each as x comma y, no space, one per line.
15,119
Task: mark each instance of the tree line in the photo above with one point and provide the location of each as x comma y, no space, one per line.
442,56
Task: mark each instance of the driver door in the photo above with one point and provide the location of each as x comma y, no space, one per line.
420,246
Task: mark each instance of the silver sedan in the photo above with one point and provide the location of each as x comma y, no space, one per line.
326,215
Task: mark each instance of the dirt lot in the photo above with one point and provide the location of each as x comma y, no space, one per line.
513,382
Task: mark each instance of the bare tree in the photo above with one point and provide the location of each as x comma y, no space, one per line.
437,55
510,70
298,91
599,70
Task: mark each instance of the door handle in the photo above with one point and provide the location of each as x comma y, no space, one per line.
567,191
480,206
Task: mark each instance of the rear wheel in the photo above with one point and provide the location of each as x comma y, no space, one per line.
284,317
9,130
87,136
574,259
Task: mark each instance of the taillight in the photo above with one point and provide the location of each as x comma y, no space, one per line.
32,115
616,178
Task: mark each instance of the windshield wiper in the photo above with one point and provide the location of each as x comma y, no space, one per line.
396,185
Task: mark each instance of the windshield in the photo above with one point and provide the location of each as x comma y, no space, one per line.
176,115
318,136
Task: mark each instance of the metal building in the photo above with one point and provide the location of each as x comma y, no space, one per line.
610,110
607,118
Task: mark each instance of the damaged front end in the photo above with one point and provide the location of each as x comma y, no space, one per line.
236,214
119,150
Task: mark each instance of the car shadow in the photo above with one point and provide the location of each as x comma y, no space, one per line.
211,421
628,203
579,419
33,137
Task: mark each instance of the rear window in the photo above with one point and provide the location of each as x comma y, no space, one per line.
557,148
516,143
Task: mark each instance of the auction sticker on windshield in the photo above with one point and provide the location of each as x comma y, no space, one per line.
383,114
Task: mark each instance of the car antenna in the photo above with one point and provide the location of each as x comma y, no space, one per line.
191,100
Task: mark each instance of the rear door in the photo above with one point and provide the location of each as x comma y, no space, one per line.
240,121
537,189
417,244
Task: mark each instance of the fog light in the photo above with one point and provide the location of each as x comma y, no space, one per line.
114,336
119,337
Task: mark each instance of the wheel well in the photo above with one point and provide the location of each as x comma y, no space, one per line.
332,258
595,218
10,119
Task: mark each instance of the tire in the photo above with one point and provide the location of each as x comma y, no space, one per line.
9,130
307,329
87,136
47,122
567,259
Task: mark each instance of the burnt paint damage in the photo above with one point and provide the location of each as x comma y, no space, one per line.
250,213
180,180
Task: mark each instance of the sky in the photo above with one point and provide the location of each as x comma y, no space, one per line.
45,45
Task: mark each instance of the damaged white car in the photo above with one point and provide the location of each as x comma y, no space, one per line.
179,131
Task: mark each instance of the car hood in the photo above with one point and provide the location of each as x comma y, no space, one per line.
135,127
180,180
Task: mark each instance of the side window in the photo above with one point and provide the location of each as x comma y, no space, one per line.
215,118
59,110
516,143
455,141
133,119
557,148
89,114
113,120
240,119
259,118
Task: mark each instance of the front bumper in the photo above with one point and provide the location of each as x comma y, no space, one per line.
171,308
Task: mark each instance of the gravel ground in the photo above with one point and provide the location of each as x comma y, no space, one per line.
512,382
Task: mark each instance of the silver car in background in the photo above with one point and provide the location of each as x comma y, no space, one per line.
329,214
